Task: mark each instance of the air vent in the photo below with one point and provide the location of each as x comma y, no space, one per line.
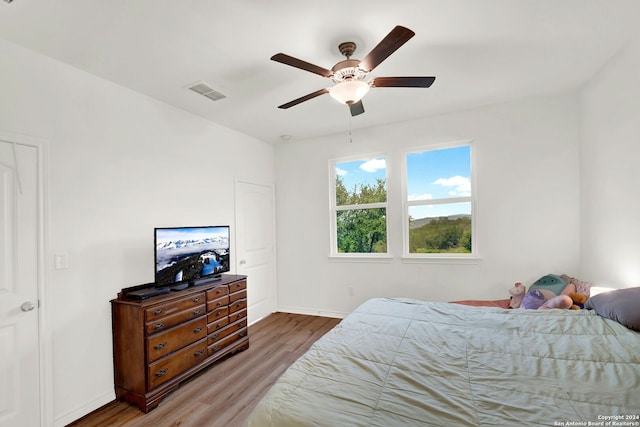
206,91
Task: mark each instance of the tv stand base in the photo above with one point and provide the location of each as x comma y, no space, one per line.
205,280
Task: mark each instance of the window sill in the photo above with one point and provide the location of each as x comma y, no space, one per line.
441,260
361,258
451,260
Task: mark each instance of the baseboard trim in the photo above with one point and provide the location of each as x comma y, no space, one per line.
323,313
85,409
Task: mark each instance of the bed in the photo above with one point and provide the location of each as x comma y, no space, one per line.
404,362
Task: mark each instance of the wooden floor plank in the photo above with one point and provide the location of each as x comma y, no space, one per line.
225,393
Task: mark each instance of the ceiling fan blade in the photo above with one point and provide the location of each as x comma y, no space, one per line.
396,38
303,65
356,108
402,81
303,98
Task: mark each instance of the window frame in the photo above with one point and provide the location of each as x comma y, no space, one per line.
334,208
409,257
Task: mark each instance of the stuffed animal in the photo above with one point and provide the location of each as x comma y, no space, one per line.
536,298
579,299
517,294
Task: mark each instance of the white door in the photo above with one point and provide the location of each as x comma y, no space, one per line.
255,247
19,349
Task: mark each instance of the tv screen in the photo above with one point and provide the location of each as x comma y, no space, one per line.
186,254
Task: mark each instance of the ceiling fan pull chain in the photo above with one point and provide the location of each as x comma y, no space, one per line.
350,137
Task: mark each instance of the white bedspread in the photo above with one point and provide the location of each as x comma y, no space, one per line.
397,362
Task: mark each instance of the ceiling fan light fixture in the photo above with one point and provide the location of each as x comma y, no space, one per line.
350,91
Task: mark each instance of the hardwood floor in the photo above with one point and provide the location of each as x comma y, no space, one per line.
225,393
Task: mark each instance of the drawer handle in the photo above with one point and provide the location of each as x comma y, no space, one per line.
215,336
162,372
198,353
158,311
196,330
216,347
160,346
218,313
241,334
196,299
158,326
195,313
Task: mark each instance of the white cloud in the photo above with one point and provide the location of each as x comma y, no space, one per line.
425,196
341,172
462,185
373,165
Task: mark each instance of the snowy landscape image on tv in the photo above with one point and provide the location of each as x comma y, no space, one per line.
183,254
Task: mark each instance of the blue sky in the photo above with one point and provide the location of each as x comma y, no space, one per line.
434,174
360,172
439,174
173,234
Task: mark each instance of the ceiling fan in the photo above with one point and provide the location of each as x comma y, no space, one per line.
350,75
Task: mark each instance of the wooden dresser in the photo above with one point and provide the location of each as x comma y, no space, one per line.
161,341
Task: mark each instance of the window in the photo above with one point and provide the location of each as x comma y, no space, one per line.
439,202
359,206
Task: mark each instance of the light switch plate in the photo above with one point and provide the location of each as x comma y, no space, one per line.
61,261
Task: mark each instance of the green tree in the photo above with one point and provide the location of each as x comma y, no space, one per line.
441,235
342,195
361,230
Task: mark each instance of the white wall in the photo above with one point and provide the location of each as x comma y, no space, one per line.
527,208
610,172
120,164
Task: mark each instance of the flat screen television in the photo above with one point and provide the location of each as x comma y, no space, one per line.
190,255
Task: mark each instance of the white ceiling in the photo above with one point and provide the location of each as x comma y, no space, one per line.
481,52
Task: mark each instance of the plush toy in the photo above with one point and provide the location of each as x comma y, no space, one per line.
535,298
517,294
579,299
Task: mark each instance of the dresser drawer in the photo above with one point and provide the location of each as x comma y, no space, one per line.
226,331
238,286
237,305
163,343
161,310
217,303
217,292
168,321
240,314
163,370
217,314
225,342
214,326
237,295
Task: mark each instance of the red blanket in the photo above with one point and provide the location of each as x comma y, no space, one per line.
502,303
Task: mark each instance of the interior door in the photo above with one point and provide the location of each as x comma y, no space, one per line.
19,349
255,247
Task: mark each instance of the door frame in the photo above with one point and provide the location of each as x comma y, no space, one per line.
45,376
272,186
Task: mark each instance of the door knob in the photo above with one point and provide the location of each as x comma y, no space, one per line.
27,306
